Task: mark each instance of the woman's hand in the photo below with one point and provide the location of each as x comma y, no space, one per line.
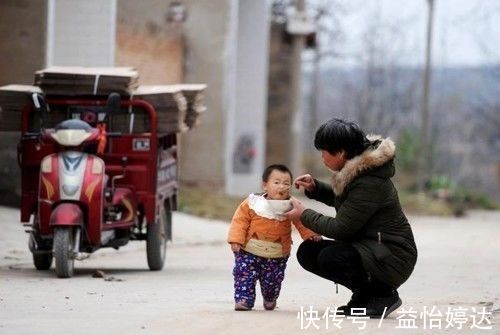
316,238
306,181
295,213
235,247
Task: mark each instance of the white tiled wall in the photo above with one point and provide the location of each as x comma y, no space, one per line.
81,33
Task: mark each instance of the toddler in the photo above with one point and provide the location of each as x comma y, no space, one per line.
260,237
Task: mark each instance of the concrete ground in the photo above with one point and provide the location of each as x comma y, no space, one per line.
457,272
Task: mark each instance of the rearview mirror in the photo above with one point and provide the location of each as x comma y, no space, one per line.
40,106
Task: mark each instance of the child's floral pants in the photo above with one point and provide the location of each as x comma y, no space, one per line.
249,268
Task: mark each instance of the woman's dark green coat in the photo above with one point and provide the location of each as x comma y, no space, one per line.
369,214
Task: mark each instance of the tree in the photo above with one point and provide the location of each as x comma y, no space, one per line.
424,155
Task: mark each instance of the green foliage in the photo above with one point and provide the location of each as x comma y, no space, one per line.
444,196
440,182
407,150
459,197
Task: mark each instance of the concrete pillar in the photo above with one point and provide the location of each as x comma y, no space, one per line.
227,151
210,50
246,125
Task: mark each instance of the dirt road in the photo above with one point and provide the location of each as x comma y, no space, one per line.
458,271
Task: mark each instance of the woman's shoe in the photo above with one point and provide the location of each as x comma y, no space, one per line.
269,305
378,307
358,300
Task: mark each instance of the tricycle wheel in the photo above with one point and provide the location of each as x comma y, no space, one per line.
156,242
63,252
42,261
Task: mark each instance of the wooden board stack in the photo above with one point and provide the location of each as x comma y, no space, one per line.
170,105
64,80
194,94
13,98
178,107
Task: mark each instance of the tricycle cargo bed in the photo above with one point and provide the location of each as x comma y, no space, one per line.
178,108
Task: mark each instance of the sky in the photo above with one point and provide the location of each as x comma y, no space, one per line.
466,32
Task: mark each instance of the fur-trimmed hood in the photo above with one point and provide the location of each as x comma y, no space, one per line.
381,151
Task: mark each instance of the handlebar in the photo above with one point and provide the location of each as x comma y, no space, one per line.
31,135
150,110
36,135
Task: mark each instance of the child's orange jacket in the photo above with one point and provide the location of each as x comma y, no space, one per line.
246,224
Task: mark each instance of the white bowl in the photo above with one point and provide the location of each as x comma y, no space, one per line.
280,206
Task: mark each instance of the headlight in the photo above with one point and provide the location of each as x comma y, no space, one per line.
46,166
97,166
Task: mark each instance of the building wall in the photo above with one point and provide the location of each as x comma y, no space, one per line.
23,26
146,41
235,72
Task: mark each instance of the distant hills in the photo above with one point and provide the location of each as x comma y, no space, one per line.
464,110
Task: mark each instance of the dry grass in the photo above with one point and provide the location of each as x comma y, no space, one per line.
216,205
416,204
207,203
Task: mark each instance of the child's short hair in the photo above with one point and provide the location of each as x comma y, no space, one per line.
272,167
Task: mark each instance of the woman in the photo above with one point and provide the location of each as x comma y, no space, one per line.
373,251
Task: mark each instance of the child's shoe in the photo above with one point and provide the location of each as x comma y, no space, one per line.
241,306
269,305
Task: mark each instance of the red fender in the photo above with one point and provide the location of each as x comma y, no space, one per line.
66,214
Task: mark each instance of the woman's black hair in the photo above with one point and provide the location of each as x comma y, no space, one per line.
271,168
336,135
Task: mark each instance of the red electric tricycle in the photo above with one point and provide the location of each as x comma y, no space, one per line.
95,174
